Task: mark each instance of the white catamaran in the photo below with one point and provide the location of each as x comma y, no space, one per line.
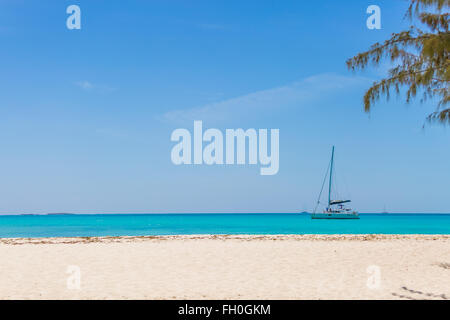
336,208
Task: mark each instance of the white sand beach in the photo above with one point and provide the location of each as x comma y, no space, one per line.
227,267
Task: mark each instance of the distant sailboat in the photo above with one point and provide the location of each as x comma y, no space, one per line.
384,210
335,208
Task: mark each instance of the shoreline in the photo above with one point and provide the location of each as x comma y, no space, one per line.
223,237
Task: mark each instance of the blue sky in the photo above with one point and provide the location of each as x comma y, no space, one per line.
86,115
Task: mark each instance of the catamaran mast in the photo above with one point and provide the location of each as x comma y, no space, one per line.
331,175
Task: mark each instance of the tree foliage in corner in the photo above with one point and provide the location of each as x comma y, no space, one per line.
420,58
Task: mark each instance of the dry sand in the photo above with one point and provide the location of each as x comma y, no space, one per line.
227,267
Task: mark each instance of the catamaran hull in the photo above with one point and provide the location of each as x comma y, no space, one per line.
334,216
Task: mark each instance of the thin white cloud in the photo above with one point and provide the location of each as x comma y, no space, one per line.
86,85
310,89
89,86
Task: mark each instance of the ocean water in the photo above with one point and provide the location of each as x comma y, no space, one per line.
78,225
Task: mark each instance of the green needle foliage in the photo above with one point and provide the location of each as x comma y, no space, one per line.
420,59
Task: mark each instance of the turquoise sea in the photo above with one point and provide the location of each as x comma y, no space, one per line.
85,225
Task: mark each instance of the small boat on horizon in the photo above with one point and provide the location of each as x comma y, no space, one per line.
335,209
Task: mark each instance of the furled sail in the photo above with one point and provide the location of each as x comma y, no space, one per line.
339,201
